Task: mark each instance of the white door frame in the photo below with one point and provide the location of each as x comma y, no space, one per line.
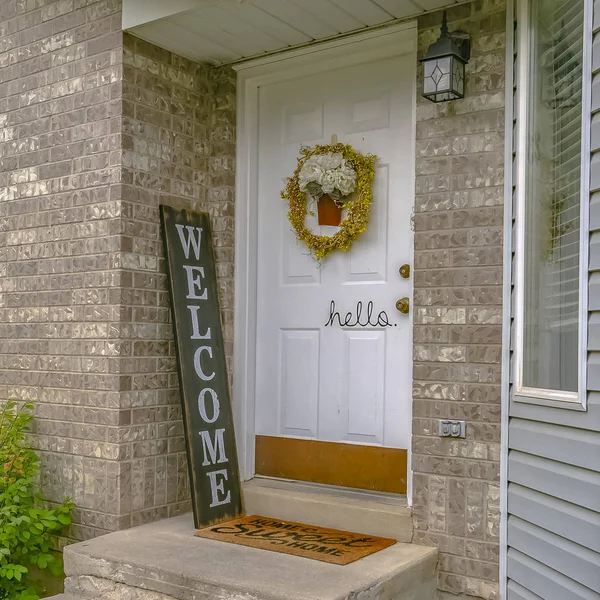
347,51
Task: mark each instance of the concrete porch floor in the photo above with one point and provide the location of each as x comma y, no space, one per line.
165,561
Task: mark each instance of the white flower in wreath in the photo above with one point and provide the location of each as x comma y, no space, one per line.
329,181
345,180
311,172
330,161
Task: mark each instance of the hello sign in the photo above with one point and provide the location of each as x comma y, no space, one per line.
203,382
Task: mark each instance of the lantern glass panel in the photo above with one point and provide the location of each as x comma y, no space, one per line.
429,85
443,74
428,67
458,78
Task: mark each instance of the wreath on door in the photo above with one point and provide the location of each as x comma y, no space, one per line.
337,177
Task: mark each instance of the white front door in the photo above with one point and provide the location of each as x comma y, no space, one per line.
333,354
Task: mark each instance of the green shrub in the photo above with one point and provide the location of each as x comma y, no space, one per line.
27,525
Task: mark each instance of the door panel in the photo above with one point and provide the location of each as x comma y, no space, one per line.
320,374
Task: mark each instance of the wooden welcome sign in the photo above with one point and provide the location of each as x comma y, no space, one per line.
207,414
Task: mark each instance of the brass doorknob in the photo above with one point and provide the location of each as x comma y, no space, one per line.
404,271
403,305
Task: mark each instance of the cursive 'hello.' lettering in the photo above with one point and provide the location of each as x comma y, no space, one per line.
357,319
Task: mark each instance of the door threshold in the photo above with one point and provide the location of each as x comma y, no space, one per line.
334,490
363,511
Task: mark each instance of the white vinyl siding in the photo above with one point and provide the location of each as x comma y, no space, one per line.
552,456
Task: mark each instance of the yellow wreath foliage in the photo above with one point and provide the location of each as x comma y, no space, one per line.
359,209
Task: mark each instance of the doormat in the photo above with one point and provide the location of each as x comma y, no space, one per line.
310,541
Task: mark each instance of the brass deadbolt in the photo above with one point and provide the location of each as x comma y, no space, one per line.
403,305
405,271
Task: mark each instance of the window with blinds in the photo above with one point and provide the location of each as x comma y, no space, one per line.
552,197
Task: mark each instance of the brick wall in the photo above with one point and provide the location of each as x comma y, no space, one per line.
458,308
174,112
96,129
166,113
60,91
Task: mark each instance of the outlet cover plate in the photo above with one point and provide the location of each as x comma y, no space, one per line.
451,428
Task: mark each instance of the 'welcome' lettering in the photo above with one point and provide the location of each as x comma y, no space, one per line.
194,238
194,277
195,283
216,407
198,364
211,449
217,488
195,326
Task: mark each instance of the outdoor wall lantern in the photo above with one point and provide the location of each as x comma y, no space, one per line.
444,65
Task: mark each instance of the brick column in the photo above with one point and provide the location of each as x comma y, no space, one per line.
458,308
60,140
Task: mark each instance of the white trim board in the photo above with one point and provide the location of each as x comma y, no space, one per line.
369,46
355,49
506,294
140,12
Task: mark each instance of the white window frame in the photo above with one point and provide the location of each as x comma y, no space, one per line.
546,397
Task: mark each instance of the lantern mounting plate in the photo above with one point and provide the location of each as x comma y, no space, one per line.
457,43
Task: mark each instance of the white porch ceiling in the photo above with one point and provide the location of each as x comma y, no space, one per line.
226,31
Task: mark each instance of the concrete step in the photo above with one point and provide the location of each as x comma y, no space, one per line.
371,513
165,561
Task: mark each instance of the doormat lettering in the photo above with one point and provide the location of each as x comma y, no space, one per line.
319,543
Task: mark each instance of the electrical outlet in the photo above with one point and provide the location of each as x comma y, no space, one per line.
455,429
